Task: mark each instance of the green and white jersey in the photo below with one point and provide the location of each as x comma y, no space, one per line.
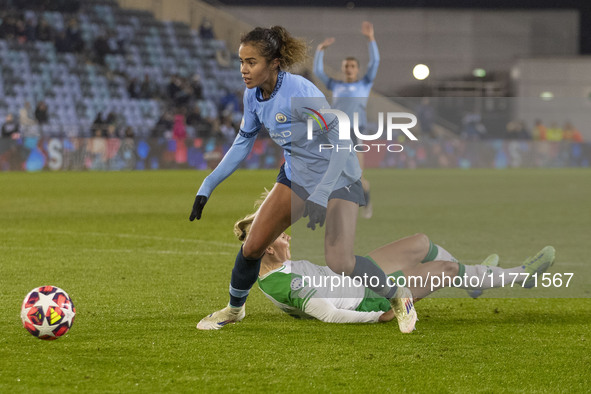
306,290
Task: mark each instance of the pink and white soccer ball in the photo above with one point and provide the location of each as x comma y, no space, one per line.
48,312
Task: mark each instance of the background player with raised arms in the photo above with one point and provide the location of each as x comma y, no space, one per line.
351,94
326,185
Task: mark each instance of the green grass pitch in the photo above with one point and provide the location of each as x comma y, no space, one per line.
141,276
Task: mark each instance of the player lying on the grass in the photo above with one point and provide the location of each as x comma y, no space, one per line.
303,289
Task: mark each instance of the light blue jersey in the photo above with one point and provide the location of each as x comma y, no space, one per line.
350,97
285,114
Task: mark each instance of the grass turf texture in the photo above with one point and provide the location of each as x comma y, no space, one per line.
141,276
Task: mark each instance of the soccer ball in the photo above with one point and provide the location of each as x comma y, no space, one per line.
48,312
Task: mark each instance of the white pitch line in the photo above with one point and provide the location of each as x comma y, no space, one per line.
94,250
122,235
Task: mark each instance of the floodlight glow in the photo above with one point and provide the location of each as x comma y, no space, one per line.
420,71
479,72
547,95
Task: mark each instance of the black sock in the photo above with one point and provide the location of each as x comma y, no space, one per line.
372,277
244,274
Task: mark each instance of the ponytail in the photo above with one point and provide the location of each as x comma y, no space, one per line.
242,227
277,43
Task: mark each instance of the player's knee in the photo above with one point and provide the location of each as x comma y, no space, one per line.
339,261
451,268
420,244
421,239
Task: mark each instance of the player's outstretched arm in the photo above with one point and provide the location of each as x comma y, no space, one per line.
325,311
374,54
367,30
319,61
236,154
325,44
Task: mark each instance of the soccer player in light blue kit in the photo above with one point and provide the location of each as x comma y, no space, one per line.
326,184
350,95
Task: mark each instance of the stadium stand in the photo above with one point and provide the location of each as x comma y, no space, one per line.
120,46
91,64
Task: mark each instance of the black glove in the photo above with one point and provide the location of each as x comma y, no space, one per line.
198,207
316,212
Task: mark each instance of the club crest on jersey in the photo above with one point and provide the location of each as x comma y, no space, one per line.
280,118
296,283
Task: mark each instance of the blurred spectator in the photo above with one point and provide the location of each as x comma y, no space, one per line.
228,130
62,42
147,88
20,31
27,122
195,120
571,133
229,103
426,117
112,120
134,88
164,125
216,133
44,31
129,133
97,147
173,87
539,132
194,117
101,49
179,128
209,109
517,130
183,97
10,127
74,35
41,113
472,126
554,133
182,91
7,26
197,87
98,127
111,131
206,29
31,30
